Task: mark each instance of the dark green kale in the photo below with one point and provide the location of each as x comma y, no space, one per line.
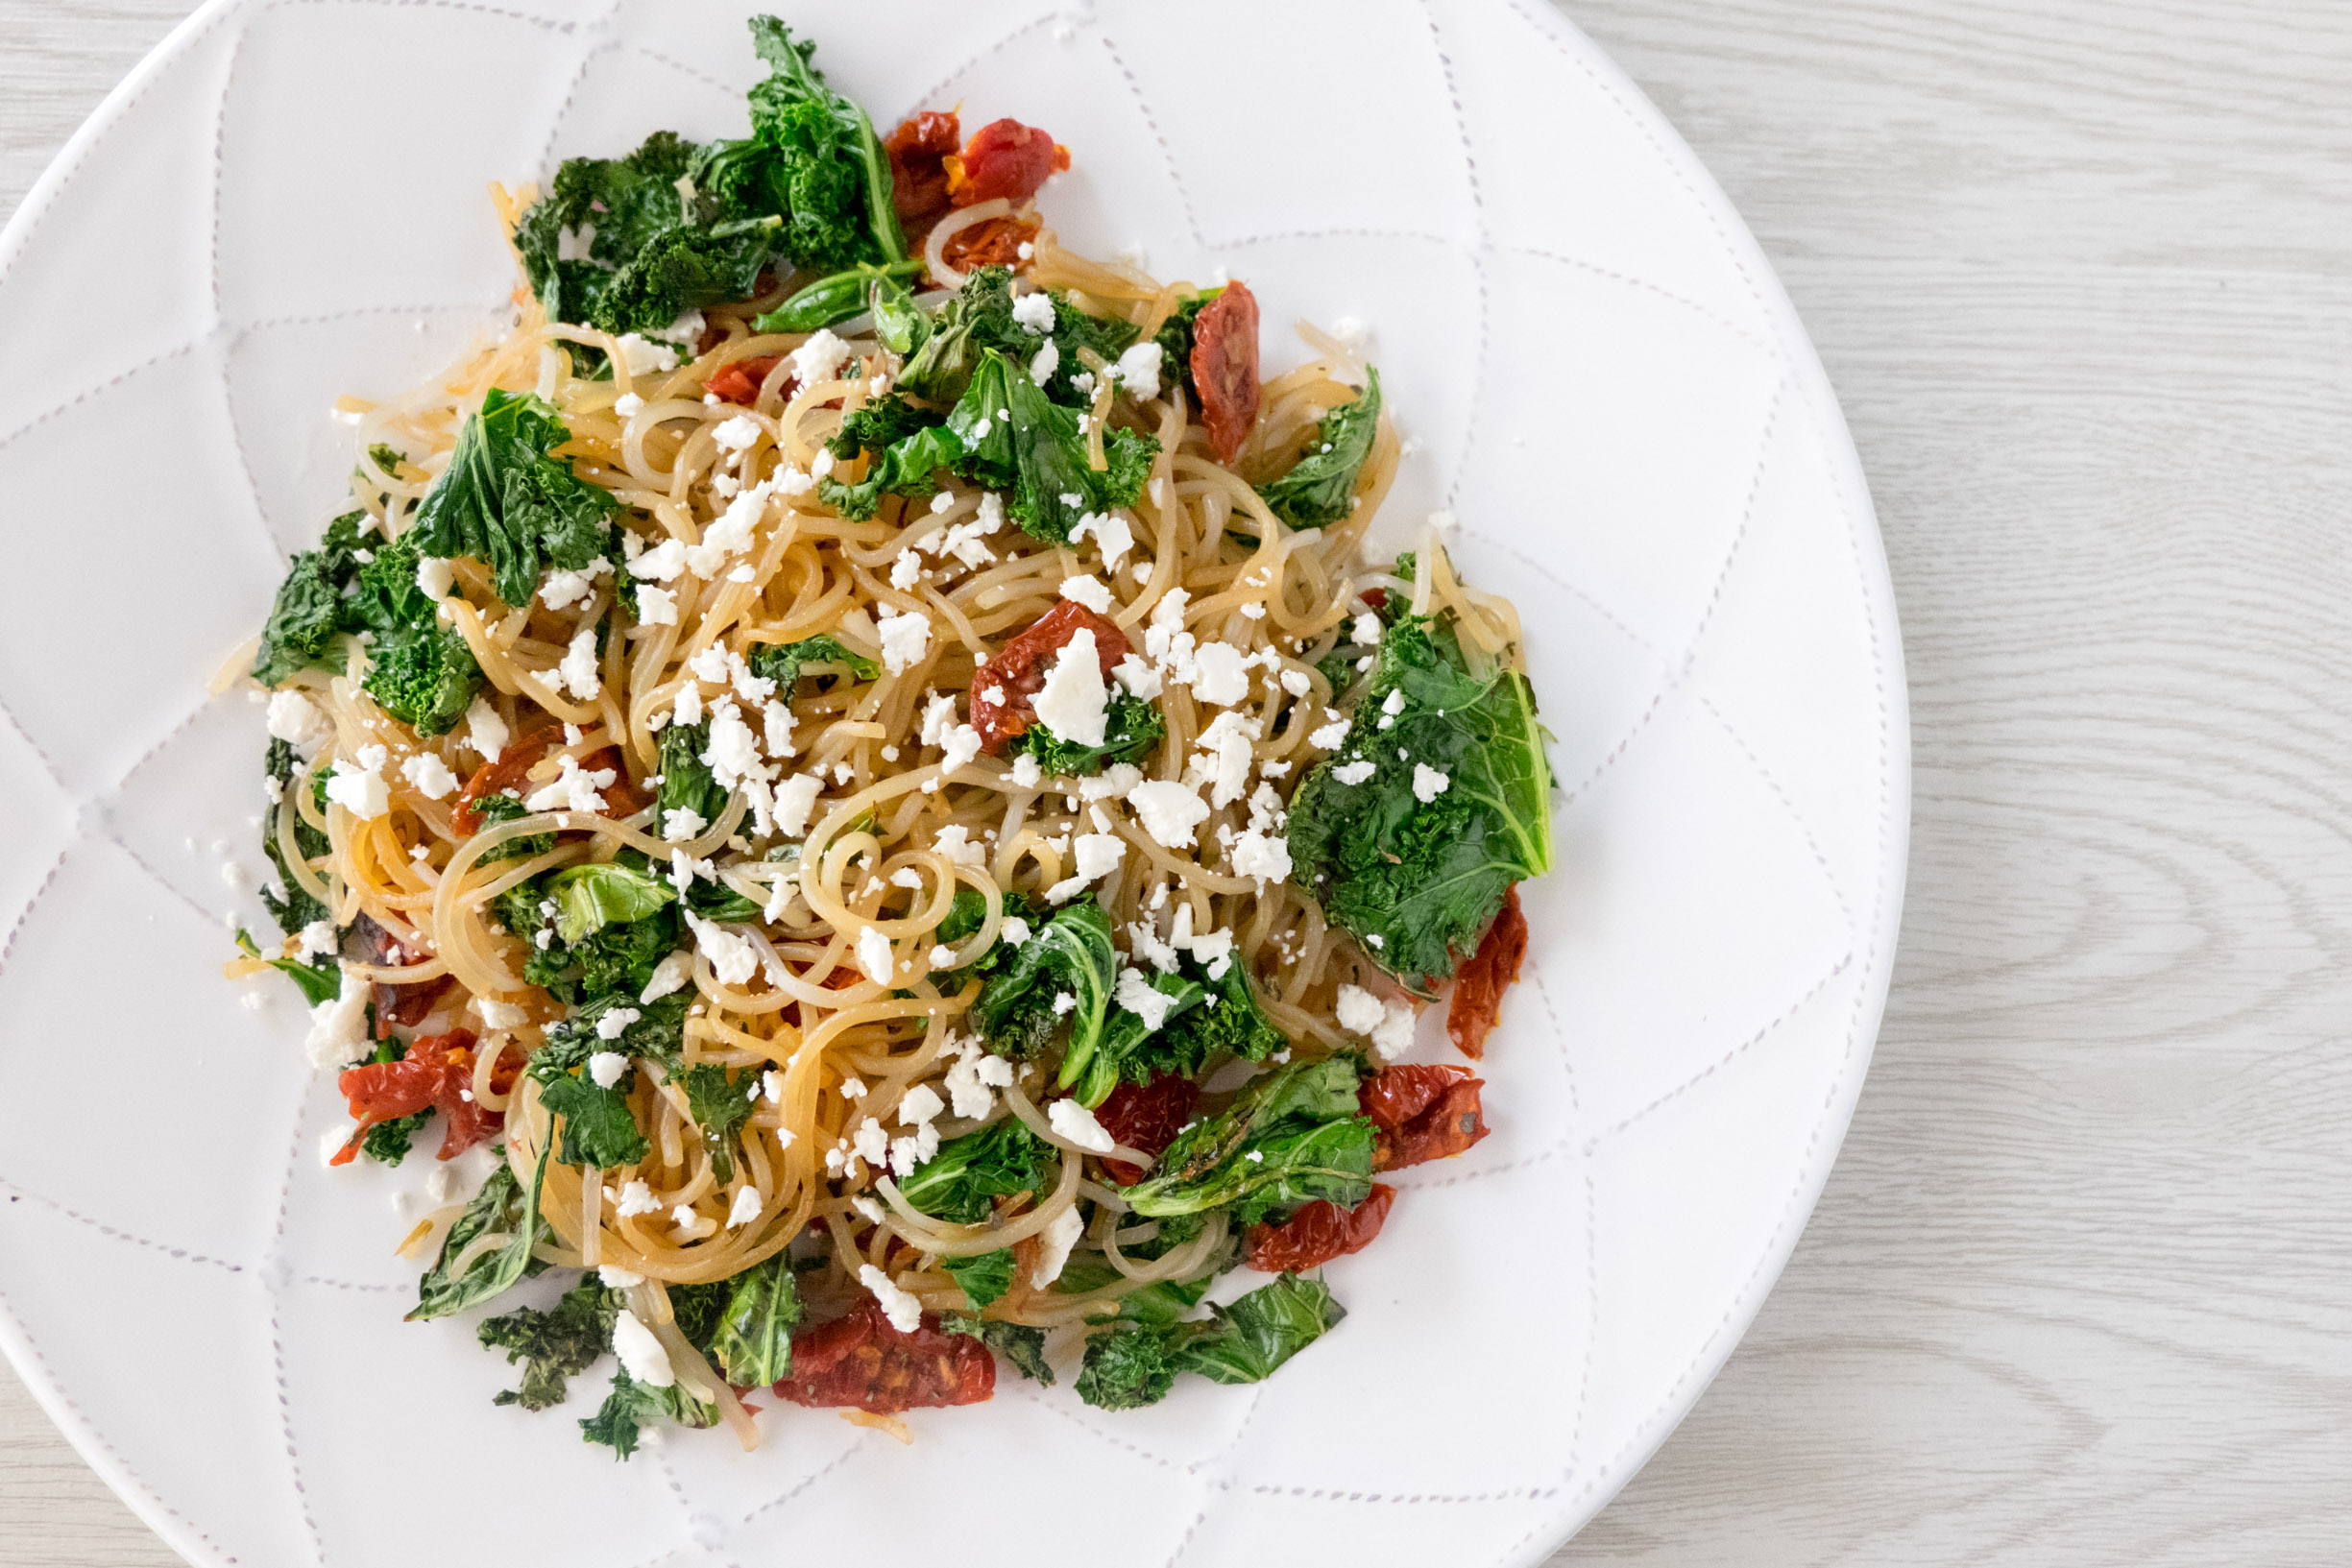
657,1031
611,208
687,781
959,1183
752,1340
308,614
1206,1021
1130,727
784,663
554,1345
505,1207
1020,1014
1418,883
1321,487
1176,340
984,1277
296,908
903,326
979,318
591,897
1290,1138
612,962
880,424
503,501
721,1105
684,268
966,915
318,983
1127,1366
426,677
387,1142
492,808
909,467
1017,1342
696,1309
1038,455
842,295
599,1129
632,1406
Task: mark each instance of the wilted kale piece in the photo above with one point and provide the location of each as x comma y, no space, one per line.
1321,487
308,614
633,1404
554,1345
505,502
1293,1137
1070,954
1130,727
959,1183
1133,1364
752,1341
296,908
1017,1342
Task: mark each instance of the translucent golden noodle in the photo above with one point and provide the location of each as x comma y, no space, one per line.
811,1014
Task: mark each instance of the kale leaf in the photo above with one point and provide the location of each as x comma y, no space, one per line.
686,780
591,897
615,961
1127,1366
880,424
813,155
307,615
721,1105
554,1345
1207,1019
984,1278
959,1183
1176,340
1417,884
611,209
1250,1340
387,1142
1069,955
845,294
1321,487
783,662
425,676
656,1033
296,908
503,501
1156,1305
752,1340
503,1207
599,1129
318,983
979,317
1017,1342
632,1404
1290,1138
1130,727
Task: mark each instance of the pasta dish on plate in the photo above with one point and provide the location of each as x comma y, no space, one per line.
852,764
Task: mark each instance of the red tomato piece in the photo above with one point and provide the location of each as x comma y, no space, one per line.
511,771
739,381
1224,367
864,1361
1422,1113
1146,1116
919,150
1002,688
1479,984
1318,1233
1395,1096
436,1075
995,242
1007,158
403,1005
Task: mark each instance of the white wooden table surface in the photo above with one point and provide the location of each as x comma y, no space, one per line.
2080,1291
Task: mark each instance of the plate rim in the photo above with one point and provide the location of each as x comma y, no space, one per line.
1792,343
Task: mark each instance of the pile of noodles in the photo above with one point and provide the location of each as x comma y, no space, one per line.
811,1013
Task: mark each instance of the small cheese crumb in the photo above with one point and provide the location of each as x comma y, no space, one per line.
607,1068
1428,784
1078,1124
1090,591
905,1312
1053,1244
640,1353
428,776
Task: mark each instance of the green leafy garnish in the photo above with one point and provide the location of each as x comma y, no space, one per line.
633,1404
599,1129
1130,727
1321,487
1290,1138
837,298
721,1105
425,676
1154,1305
1127,1366
554,1345
503,501
319,982
1417,884
687,781
307,615
1207,1019
961,1183
589,898
984,1277
784,663
1017,1342
1069,955
753,1342
616,961
503,1207
296,908
1133,1363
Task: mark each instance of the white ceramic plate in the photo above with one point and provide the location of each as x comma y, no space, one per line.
1608,389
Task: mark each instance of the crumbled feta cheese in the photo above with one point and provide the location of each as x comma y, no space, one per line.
645,357
640,1353
1015,931
1112,535
905,571
905,638
501,1015
1355,772
428,775
1025,772
733,957
681,823
1139,678
612,1277
615,1022
1367,629
359,786
564,588
1218,675
1296,681
729,535
574,788
954,843
1076,1124
1090,591
1072,703
903,1310
919,1106
628,405
672,975
1265,856
339,1033
737,434
874,956
1139,370
1215,949
1394,702
1137,995
958,746
1428,784
1224,758
578,668
1035,313
1358,1011
1053,1244
435,578
317,940
635,1199
662,564
607,1067
795,800
657,607
485,730
297,720
1394,1036
820,359
1170,812
1045,362
1331,737
1098,854
746,1207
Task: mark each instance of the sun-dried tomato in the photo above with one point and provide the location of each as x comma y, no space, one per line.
1318,1233
1002,688
992,242
1480,983
436,1075
863,1361
1224,367
1146,1116
1006,158
395,1005
513,771
1422,1113
739,381
919,150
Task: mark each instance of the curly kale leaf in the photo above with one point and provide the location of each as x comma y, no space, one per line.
492,808
877,425
753,1339
984,1277
1207,1020
686,780
599,1129
965,916
979,317
554,1345
1017,1342
426,677
1293,1137
296,908
1321,487
1416,882
612,961
1154,1305
505,502
1127,1366
911,468
632,1406
721,1105
1018,440
1130,727
1020,1013
1133,1363
387,1142
307,615
784,663
656,1030
598,214
961,1183
503,1207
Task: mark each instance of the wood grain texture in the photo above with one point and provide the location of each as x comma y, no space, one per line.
2080,1290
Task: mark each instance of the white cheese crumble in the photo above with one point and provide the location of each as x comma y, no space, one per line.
485,730
607,1068
1090,591
1139,995
635,1199
1331,737
435,578
903,1310
819,359
681,823
297,720
1168,812
874,956
670,976
1138,677
628,405
746,1207
1076,1124
564,588
1044,363
643,355
905,637
640,1353
1035,313
662,564
578,668
428,776
1139,370
1428,784
737,434
1367,629
657,607
359,786
1072,703
1355,772
339,1028
795,800
1218,675
612,1277
1053,1244
733,957
1265,856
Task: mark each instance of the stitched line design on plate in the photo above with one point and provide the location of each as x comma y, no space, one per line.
274,1276
18,1193
41,754
1837,888
1642,283
932,93
734,95
601,44
98,389
856,1446
1050,1402
1151,124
